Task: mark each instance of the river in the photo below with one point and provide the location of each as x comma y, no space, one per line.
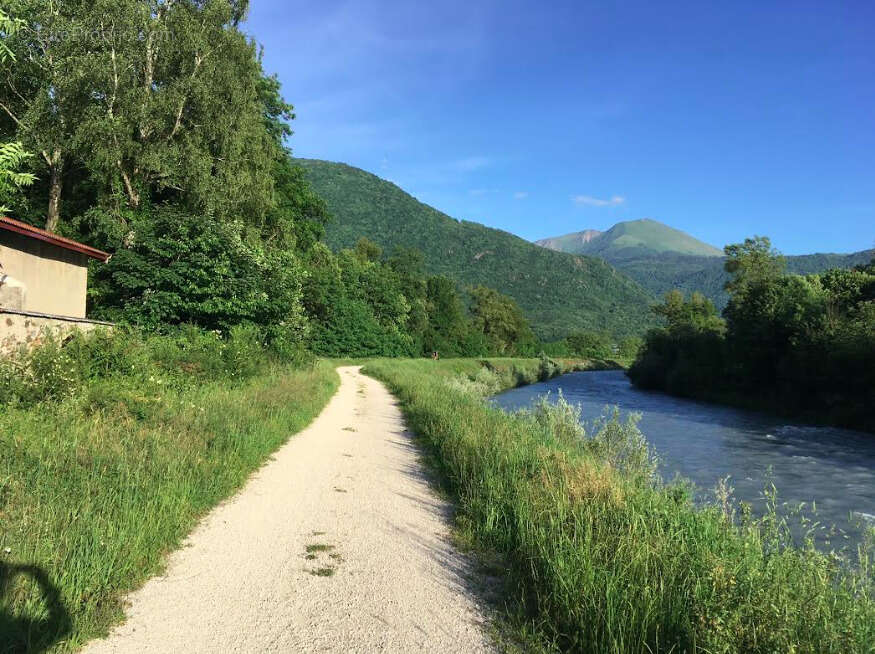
833,468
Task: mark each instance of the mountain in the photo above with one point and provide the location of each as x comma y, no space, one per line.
631,239
661,258
558,292
570,242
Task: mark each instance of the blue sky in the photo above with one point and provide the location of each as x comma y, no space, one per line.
721,119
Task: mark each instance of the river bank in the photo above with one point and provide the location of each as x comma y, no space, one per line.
596,555
824,467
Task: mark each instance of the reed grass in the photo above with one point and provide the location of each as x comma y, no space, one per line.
598,554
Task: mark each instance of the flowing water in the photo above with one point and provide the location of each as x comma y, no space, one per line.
832,468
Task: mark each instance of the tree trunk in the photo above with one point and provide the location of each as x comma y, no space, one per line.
130,189
56,169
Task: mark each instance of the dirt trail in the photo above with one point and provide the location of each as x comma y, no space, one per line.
337,545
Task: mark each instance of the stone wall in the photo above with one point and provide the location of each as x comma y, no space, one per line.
20,328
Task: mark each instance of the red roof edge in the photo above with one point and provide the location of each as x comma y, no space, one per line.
42,235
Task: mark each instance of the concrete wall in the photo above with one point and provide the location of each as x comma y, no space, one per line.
55,279
22,329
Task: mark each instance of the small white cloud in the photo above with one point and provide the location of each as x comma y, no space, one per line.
471,163
520,195
589,201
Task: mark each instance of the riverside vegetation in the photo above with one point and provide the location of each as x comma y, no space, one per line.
802,345
598,554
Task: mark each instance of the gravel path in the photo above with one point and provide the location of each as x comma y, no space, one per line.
337,545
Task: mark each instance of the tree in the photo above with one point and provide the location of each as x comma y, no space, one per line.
698,312
448,327
12,155
158,99
8,27
752,262
589,344
500,319
298,216
367,250
40,95
180,110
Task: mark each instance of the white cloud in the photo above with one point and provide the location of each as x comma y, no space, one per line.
469,164
589,201
520,195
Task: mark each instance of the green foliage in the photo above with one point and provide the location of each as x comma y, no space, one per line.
8,27
592,345
148,100
55,371
298,218
362,304
500,319
683,357
787,342
754,262
558,293
12,156
182,268
598,555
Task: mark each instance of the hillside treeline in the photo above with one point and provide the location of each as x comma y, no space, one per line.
804,345
155,134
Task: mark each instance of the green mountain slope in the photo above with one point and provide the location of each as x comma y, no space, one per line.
572,243
558,292
631,239
661,258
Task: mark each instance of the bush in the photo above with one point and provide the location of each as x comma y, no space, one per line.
180,268
120,358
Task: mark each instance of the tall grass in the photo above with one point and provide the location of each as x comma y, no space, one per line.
599,555
111,448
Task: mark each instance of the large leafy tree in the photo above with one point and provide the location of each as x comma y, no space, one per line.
158,99
500,319
40,95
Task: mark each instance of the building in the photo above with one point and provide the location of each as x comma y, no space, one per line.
43,283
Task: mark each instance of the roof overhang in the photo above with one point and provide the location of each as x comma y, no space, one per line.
30,231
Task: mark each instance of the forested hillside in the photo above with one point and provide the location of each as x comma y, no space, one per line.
559,293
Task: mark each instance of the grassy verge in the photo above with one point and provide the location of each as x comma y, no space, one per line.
599,555
99,483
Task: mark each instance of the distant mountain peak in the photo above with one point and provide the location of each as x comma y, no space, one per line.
564,243
644,234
